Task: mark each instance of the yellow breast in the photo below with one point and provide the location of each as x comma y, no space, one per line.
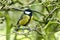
24,20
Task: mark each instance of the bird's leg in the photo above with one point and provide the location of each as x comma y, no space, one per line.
16,29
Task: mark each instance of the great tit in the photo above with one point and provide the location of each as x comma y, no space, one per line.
25,18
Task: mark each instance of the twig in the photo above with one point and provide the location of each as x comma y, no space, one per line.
32,2
15,2
47,9
38,21
39,13
50,15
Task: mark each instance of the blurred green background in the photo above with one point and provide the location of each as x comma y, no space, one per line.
46,21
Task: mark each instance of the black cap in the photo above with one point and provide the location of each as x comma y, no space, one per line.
28,12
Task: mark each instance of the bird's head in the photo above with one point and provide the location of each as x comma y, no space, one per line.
28,12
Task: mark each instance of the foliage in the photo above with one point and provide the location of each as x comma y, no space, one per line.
45,24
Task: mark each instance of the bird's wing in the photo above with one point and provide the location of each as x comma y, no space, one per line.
20,19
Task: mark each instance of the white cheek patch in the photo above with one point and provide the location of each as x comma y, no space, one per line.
27,12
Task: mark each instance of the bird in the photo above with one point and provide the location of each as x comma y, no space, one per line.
25,18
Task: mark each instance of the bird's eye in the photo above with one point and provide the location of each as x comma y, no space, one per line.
26,12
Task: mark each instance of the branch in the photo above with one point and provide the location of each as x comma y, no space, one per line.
32,2
39,13
15,2
47,9
50,15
